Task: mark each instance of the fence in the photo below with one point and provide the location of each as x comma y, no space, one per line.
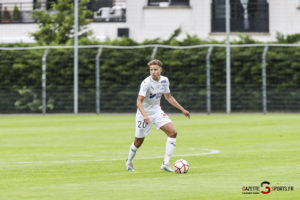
265,77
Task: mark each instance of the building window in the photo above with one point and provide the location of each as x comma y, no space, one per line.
94,5
169,2
245,16
123,32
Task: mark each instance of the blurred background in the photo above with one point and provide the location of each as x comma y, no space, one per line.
118,37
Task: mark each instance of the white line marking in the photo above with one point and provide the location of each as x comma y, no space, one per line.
211,151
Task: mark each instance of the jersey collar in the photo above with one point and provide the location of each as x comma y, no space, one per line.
155,80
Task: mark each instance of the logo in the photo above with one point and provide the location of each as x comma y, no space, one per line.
152,95
164,81
158,95
265,188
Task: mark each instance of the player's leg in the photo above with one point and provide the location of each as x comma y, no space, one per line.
138,142
171,132
163,122
132,151
141,130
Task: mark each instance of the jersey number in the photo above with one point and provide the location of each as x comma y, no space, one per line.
141,124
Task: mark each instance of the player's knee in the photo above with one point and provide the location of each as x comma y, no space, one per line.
173,134
138,142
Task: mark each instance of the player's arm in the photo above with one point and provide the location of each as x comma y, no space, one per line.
174,103
140,106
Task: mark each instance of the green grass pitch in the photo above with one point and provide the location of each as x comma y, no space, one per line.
82,157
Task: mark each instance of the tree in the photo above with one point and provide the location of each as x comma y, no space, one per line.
17,16
56,26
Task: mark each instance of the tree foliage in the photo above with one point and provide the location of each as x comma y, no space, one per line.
122,70
56,26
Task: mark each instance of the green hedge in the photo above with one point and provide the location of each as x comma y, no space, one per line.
123,70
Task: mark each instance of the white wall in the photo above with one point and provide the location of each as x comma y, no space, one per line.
152,22
284,16
11,33
201,18
103,31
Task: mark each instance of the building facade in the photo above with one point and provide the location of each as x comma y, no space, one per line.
149,19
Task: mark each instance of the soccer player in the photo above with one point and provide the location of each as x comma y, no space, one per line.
149,112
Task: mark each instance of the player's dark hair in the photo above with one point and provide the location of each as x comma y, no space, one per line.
155,62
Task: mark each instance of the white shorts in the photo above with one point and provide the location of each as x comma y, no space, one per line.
142,129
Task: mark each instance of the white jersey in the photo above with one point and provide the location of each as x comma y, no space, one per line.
152,91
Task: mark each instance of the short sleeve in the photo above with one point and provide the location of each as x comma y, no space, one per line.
167,88
143,89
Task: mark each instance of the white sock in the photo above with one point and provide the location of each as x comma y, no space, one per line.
170,146
132,152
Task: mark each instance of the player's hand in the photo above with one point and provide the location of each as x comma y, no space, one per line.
146,119
186,113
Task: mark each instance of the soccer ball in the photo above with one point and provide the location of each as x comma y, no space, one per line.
181,166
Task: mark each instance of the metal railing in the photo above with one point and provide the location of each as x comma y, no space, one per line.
207,95
24,12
